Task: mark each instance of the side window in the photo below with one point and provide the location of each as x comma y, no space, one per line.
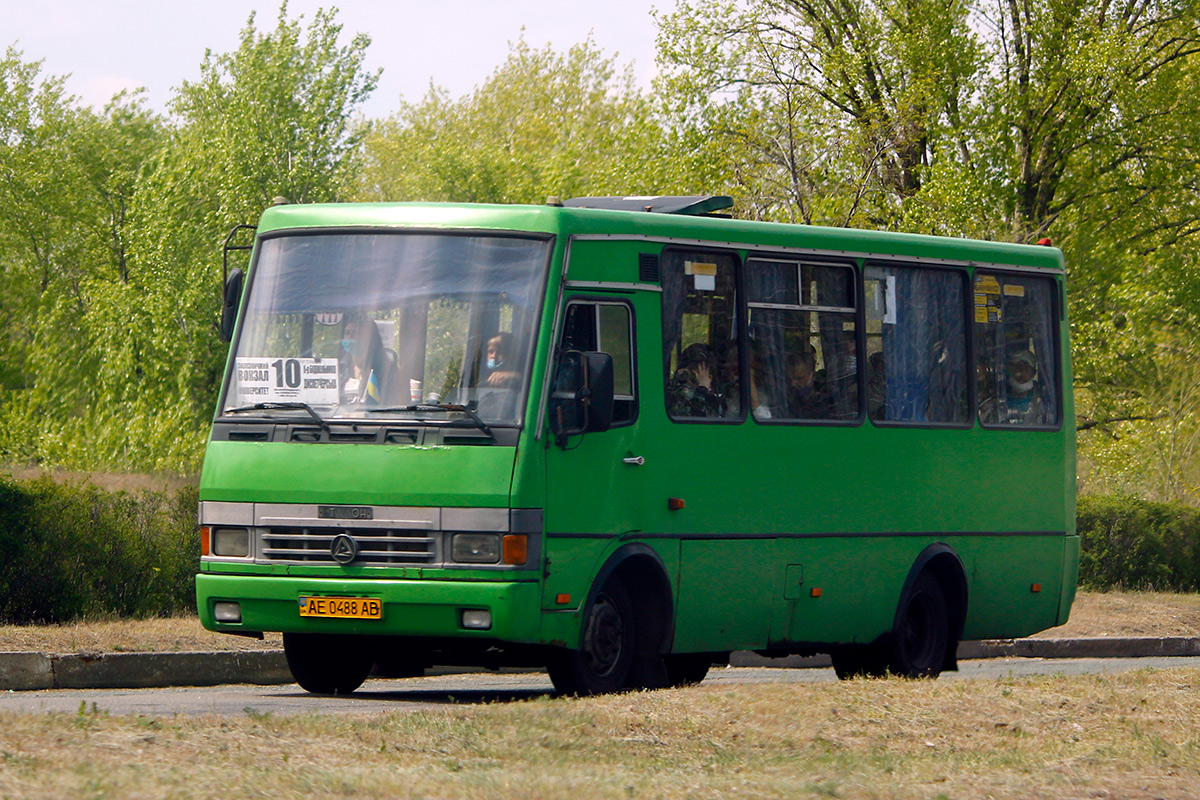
803,362
700,353
1015,349
916,344
607,328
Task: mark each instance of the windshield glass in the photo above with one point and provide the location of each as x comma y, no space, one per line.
379,326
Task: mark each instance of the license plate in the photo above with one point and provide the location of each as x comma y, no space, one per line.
341,607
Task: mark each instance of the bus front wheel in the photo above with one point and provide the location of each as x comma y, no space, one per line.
915,648
918,644
327,664
605,656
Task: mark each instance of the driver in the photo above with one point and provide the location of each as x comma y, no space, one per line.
498,371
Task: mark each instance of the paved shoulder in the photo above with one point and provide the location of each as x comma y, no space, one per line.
26,671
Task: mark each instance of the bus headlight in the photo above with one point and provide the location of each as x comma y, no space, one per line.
475,548
231,542
227,612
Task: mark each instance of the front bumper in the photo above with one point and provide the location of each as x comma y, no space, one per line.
410,608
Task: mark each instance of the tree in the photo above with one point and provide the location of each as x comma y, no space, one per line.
840,105
129,378
67,177
543,124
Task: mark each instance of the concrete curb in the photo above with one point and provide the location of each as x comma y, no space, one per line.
1133,647
22,671
27,671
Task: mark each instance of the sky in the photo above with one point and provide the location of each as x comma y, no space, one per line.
109,45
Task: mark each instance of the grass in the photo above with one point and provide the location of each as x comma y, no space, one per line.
1133,735
1131,614
159,634
1094,614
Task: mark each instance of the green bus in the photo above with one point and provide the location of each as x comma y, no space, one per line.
620,438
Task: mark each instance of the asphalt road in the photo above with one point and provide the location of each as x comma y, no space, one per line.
417,694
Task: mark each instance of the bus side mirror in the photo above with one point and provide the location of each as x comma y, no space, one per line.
233,298
582,400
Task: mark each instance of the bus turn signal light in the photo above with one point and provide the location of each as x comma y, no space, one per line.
674,503
205,538
562,599
516,548
1037,587
815,591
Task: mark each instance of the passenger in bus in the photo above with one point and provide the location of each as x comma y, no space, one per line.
805,400
368,374
498,372
691,392
760,400
1024,398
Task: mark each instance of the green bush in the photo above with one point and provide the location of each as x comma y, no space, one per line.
1130,543
73,550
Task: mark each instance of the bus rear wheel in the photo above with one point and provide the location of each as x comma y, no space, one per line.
327,664
605,656
918,644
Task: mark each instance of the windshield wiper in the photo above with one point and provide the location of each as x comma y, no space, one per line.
281,406
470,412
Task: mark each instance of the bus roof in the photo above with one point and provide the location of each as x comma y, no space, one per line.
693,229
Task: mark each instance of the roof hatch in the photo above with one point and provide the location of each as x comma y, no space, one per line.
697,205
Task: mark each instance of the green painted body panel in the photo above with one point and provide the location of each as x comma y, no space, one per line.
770,512
283,472
410,608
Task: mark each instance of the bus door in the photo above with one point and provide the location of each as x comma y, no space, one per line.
594,490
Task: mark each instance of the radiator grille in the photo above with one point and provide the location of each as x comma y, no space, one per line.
379,546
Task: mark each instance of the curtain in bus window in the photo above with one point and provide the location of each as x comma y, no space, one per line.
917,345
803,362
700,355
1016,349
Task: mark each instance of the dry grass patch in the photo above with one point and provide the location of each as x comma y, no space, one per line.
109,481
1096,614
162,635
1135,735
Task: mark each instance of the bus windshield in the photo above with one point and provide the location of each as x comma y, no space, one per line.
384,326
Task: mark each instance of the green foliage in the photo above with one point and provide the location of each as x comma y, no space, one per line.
836,108
543,124
1129,543
70,551
117,223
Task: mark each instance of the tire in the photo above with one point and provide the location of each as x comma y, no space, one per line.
602,663
918,643
327,663
687,669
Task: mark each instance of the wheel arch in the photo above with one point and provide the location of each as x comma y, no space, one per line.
944,564
646,579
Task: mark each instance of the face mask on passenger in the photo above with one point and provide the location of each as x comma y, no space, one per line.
493,363
1017,386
